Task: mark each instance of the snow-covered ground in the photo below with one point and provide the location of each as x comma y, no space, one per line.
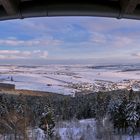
70,79
76,130
88,130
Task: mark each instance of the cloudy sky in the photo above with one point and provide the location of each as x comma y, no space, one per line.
70,39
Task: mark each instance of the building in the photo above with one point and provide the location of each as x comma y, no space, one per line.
5,86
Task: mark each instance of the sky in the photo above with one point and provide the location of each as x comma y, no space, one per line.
69,40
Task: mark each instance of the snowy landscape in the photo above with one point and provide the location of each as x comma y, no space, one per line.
95,115
72,79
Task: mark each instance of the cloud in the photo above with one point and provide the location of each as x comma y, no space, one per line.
32,42
73,30
136,54
17,54
97,38
74,37
111,41
122,41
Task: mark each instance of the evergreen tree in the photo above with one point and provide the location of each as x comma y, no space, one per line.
47,122
132,116
116,110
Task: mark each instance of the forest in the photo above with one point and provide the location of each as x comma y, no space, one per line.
19,113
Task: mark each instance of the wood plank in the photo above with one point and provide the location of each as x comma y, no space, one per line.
128,6
10,6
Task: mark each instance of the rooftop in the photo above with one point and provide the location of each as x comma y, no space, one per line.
19,9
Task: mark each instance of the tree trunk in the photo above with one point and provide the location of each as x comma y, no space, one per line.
15,134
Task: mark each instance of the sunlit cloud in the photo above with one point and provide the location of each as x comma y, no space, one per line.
32,42
70,37
17,54
136,54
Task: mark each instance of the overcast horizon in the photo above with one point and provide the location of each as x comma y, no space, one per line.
69,40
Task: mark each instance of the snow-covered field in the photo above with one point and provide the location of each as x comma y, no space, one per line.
71,79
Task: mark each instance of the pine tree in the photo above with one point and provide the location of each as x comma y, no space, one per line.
47,122
132,116
116,110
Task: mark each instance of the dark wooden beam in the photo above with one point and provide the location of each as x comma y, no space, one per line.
10,6
128,6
